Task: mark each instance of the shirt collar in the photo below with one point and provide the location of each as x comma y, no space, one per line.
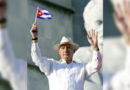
64,61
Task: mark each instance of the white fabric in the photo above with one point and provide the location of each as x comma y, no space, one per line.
12,69
83,55
63,76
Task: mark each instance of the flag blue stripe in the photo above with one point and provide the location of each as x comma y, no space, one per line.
47,13
47,18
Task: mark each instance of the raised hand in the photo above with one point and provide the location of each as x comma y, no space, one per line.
92,39
34,31
3,14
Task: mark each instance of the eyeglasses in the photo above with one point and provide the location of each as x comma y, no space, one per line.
3,4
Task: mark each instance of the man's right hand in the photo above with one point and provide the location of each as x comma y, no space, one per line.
3,13
34,32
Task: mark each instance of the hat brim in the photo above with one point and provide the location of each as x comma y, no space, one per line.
74,45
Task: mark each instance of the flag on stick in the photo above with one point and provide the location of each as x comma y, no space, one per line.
43,14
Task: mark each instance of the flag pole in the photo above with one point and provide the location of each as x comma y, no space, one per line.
36,16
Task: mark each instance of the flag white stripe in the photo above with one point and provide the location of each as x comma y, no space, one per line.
44,11
45,16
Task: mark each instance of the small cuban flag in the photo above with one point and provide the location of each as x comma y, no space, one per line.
43,14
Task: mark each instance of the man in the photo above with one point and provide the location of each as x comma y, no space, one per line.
11,68
66,74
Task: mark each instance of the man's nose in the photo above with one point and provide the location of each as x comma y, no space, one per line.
65,49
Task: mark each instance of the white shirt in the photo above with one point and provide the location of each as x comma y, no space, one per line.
12,69
63,76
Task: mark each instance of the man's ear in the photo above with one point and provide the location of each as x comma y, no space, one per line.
58,52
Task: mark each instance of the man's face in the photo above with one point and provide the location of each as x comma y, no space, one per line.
3,9
66,51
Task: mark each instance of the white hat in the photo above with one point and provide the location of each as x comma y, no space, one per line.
66,40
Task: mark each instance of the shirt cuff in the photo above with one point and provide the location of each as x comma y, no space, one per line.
95,52
34,47
35,44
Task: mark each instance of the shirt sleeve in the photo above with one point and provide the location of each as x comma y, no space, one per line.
94,65
45,65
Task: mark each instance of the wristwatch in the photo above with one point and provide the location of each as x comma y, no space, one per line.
35,38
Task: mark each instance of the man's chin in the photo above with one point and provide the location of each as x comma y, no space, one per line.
66,57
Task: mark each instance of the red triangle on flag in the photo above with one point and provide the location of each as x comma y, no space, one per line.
39,13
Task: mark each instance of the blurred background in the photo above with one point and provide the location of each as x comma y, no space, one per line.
67,20
112,41
110,30
114,48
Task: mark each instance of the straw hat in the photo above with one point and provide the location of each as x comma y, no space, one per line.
66,40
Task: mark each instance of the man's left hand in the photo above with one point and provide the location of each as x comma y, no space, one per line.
92,39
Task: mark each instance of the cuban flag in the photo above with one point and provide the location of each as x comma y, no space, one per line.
43,14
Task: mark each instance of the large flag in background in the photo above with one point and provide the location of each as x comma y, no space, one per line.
43,14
